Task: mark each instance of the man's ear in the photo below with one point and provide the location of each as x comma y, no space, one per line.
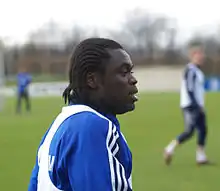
93,80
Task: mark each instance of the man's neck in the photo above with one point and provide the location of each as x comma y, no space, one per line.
105,112
100,108
195,64
94,105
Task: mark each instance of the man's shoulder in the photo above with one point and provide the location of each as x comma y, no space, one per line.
190,70
87,121
79,126
89,116
189,67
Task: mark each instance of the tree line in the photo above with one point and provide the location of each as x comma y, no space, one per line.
150,39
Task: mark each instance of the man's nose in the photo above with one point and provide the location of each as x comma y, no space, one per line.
133,80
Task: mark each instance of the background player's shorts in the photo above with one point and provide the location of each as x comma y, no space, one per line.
194,119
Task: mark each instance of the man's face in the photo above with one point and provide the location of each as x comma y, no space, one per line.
119,84
198,56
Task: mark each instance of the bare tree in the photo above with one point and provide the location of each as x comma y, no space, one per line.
76,35
172,54
50,34
143,31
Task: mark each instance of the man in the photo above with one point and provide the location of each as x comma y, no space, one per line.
84,149
23,81
192,104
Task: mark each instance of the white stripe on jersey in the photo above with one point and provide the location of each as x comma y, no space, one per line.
118,176
117,170
115,137
116,150
110,158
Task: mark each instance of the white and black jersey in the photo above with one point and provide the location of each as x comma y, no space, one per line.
192,87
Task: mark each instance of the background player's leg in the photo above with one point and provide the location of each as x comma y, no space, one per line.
201,141
19,99
189,123
27,100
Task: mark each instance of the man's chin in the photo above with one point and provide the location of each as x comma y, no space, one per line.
125,109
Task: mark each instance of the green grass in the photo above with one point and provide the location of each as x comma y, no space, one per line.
155,122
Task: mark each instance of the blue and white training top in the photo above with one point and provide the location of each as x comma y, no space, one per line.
23,80
192,93
83,150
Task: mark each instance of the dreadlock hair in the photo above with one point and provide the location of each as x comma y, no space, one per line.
88,56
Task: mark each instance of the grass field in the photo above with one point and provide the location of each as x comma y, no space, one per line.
155,122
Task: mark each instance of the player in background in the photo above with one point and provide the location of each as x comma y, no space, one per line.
192,105
84,149
23,81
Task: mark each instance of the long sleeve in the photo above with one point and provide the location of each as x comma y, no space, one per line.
93,165
191,87
33,180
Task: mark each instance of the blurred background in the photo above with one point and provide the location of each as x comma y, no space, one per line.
40,35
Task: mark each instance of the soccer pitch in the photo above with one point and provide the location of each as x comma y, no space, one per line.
148,130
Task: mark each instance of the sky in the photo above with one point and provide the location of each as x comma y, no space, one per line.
19,17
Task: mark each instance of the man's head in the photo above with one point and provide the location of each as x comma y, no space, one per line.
196,53
100,75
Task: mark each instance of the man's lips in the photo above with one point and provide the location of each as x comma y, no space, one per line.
133,95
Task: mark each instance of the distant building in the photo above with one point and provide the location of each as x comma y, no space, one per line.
38,61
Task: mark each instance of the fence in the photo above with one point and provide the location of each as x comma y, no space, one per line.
155,79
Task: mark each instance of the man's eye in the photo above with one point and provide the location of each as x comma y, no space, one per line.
125,72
